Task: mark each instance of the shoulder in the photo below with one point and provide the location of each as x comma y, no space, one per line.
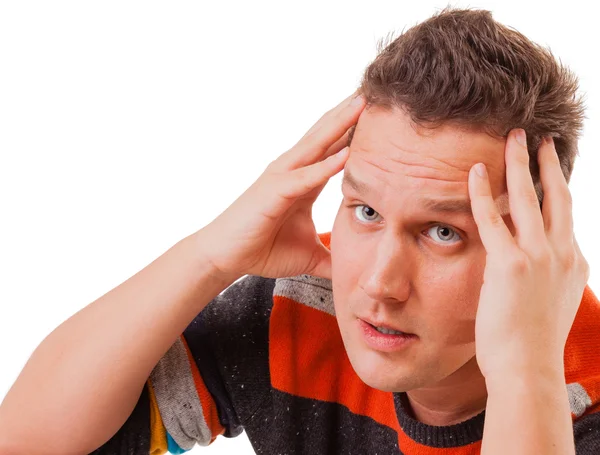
582,372
245,303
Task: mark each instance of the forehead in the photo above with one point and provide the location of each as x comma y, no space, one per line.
389,150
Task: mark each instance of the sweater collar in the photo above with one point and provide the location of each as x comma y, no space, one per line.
460,434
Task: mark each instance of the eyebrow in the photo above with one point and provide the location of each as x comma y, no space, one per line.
435,205
356,185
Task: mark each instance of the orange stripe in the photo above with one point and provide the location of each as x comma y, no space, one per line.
307,359
158,433
325,239
582,350
583,344
209,408
309,346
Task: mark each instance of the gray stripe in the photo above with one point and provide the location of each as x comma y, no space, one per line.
308,290
178,400
579,400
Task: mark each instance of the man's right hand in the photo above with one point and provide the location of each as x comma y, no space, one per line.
269,231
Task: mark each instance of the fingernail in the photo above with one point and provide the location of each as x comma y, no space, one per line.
480,170
343,153
521,137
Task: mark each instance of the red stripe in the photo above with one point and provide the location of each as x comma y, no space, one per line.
307,359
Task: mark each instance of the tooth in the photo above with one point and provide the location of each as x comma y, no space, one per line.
387,331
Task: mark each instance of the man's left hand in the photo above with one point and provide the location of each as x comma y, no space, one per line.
533,281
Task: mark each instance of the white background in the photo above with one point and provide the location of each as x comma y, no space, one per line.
126,126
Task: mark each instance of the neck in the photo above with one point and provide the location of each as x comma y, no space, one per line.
457,398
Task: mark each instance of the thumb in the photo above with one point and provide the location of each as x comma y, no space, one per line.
323,267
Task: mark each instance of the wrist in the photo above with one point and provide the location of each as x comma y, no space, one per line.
201,242
536,374
524,358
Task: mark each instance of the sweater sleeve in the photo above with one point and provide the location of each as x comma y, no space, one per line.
586,430
209,382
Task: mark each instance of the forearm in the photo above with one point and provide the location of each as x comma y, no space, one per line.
528,414
84,379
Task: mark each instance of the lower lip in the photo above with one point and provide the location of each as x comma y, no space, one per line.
384,342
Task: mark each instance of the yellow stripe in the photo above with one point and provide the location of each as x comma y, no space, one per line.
158,433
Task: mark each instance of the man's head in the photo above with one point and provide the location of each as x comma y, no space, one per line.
405,249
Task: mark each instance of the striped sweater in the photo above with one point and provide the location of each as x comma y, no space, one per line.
266,357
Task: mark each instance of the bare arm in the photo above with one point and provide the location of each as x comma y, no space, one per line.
532,288
85,379
528,413
104,354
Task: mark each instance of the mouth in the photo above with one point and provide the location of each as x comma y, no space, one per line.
380,336
385,328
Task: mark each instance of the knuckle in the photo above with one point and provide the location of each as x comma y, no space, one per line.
327,116
567,258
270,180
552,158
484,209
303,178
566,197
529,197
272,166
494,218
276,166
518,264
542,255
586,269
522,158
315,127
582,262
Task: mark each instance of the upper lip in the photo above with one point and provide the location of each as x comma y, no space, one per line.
384,325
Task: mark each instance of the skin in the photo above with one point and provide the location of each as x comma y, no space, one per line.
395,266
520,327
533,283
489,284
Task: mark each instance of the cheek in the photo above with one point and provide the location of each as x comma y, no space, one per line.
346,263
450,295
344,251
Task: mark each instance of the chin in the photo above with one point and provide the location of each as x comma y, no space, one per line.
383,374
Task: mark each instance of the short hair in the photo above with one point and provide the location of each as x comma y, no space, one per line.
462,67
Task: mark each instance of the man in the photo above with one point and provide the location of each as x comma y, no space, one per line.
447,312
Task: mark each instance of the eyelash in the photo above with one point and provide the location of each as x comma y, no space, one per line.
428,228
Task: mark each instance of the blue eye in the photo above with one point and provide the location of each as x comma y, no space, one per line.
443,234
361,210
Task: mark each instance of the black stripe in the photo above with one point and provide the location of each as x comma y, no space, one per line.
288,424
229,342
461,434
587,434
133,438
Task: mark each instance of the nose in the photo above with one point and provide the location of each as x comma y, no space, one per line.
386,274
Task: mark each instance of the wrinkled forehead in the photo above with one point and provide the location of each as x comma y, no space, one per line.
391,132
391,151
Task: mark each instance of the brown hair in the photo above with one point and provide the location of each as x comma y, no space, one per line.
462,67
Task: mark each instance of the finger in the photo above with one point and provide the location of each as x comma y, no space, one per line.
331,112
586,265
522,198
323,263
557,207
282,165
337,145
304,180
494,233
332,126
